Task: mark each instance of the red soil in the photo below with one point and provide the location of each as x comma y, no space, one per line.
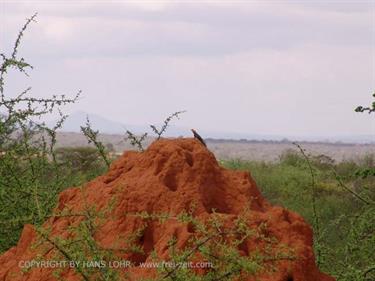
168,177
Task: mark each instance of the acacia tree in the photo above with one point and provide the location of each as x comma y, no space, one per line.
29,174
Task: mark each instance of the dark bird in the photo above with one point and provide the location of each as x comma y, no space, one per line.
198,137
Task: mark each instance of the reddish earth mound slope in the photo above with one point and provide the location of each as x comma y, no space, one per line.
170,177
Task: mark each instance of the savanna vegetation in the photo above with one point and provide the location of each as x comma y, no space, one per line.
337,199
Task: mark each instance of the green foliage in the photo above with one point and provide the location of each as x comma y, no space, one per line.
217,244
29,175
163,129
32,171
211,253
91,259
92,137
369,109
80,162
371,170
357,245
344,203
137,141
291,157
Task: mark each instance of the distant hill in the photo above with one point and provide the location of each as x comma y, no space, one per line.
107,126
77,119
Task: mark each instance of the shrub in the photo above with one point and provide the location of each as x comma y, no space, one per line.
85,161
292,158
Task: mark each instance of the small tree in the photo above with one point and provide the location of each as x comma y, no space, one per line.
30,177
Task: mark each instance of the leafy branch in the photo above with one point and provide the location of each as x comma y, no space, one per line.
313,203
370,108
92,137
12,61
162,130
136,141
26,148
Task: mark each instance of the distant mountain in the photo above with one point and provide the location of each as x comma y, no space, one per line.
77,119
107,126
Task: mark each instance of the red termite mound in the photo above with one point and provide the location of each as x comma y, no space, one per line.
170,176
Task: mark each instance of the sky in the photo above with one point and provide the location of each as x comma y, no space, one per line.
293,68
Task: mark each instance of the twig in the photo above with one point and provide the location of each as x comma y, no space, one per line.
135,141
162,130
313,200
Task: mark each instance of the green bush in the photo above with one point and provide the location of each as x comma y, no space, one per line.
30,175
292,158
347,224
80,161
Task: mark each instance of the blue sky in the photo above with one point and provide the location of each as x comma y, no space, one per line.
260,67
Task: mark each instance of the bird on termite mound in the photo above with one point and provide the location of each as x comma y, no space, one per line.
198,137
